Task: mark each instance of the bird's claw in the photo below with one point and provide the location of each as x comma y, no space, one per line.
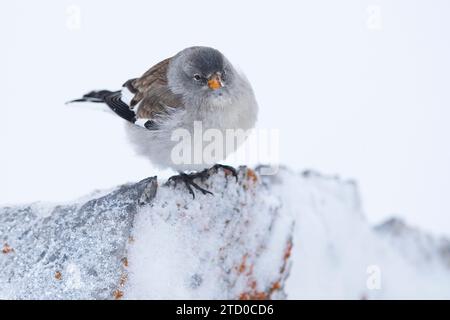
188,180
226,168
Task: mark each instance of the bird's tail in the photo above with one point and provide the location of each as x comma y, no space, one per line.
113,103
93,96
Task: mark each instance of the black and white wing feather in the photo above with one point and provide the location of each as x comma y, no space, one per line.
142,101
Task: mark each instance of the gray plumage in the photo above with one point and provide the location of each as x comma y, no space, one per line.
197,84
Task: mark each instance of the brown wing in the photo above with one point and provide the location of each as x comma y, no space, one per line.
151,92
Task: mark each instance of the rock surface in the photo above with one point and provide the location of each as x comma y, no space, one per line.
285,236
72,251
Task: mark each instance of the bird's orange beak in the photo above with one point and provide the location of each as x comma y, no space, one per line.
215,82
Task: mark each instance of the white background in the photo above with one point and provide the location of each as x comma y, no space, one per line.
353,92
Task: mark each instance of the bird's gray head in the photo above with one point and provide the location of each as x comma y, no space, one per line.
202,75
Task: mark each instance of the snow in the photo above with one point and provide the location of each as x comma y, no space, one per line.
198,246
293,235
336,252
74,253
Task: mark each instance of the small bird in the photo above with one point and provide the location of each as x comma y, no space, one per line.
198,84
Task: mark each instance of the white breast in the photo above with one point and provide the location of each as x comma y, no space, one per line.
157,145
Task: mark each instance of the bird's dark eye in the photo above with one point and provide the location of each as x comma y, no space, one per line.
197,77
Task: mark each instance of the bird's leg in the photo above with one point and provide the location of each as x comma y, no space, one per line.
188,180
226,169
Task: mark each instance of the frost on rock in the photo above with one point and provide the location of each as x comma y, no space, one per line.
233,245
289,236
420,248
338,255
75,252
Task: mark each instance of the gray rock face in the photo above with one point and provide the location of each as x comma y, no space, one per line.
75,252
289,235
415,245
141,241
233,245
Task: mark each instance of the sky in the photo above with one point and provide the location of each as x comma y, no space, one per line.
358,89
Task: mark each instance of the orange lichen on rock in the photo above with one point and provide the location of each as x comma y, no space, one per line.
58,275
276,286
246,269
244,296
118,294
258,295
123,280
255,293
250,179
241,268
7,249
251,175
287,252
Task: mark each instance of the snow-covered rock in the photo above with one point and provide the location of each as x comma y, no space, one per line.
337,254
289,236
73,251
